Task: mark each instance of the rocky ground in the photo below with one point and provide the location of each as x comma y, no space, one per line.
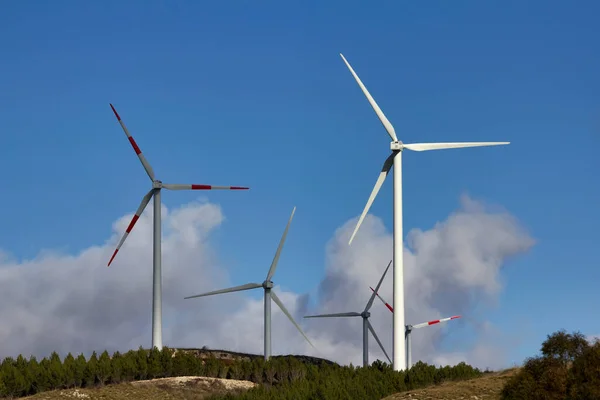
179,388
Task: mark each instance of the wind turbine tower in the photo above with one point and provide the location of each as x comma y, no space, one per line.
155,192
395,160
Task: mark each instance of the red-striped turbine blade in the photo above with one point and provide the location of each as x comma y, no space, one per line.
435,321
136,148
384,302
177,186
135,218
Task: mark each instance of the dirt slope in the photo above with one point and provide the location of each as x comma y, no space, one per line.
180,388
488,387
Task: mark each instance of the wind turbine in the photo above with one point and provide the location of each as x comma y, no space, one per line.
408,328
267,285
155,192
366,324
395,159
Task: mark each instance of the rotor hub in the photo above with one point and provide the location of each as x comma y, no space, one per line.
396,146
156,184
267,285
365,314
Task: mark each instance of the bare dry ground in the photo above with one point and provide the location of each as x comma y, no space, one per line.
180,388
487,387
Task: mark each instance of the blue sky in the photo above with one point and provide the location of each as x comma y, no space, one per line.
236,93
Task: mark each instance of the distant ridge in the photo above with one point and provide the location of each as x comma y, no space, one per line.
233,355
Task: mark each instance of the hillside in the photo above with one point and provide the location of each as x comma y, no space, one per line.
488,387
181,388
226,355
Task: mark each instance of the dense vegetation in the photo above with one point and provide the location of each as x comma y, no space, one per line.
567,369
336,382
280,378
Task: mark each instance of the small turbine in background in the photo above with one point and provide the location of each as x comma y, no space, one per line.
366,324
267,285
408,328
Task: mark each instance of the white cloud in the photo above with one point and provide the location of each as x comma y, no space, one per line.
75,303
592,338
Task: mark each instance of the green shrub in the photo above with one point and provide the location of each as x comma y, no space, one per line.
568,369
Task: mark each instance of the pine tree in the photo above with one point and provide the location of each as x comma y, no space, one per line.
43,377
104,368
211,367
166,361
180,365
129,366
79,368
57,374
69,371
116,375
23,366
2,385
154,364
32,376
14,381
91,371
142,364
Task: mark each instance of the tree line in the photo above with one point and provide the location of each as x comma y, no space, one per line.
281,377
567,369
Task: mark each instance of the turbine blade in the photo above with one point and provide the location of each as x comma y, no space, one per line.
382,300
378,341
247,286
137,150
387,165
177,186
370,303
138,213
345,314
287,313
435,321
279,248
443,146
386,123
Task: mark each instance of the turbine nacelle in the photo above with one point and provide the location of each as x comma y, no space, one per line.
396,146
267,285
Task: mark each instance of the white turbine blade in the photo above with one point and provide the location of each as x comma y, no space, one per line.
287,313
247,286
177,186
387,165
435,321
136,148
370,303
386,123
345,314
279,248
443,146
378,341
136,216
